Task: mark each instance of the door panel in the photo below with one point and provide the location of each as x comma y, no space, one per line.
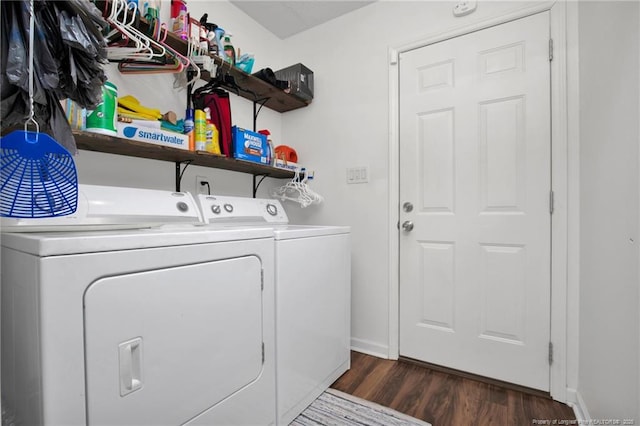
475,154
184,337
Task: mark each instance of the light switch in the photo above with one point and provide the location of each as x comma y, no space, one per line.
358,174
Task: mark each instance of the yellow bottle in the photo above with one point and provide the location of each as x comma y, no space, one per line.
211,135
200,129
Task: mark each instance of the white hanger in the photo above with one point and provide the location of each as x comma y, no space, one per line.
142,48
298,191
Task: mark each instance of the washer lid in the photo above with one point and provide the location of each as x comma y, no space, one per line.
63,243
286,232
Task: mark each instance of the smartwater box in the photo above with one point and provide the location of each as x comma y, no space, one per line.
288,165
151,135
249,146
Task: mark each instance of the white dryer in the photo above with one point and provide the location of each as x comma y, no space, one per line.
313,298
156,326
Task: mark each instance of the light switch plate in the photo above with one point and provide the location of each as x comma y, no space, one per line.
358,174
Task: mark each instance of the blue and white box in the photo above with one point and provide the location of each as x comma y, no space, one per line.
249,146
151,135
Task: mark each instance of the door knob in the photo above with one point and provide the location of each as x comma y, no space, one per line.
407,226
407,207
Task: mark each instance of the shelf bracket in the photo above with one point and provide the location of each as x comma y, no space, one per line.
256,111
257,185
180,171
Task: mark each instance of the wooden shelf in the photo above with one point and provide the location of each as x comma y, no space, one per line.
254,89
258,90
114,145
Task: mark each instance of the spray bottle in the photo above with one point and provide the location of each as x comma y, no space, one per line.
188,129
200,130
219,32
270,153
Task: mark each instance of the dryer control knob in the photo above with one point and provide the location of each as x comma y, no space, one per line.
272,209
182,206
215,209
228,208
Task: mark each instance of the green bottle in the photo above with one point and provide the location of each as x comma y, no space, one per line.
229,50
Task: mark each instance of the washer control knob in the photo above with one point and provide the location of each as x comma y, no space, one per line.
272,209
182,206
215,209
228,208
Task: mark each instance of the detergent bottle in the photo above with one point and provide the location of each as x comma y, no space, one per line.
212,144
229,50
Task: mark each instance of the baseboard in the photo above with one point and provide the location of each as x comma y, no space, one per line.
370,348
575,401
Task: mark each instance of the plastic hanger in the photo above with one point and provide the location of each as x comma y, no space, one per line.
298,191
132,43
146,48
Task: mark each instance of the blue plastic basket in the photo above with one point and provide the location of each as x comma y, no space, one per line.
38,177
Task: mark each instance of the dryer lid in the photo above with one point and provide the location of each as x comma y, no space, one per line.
109,207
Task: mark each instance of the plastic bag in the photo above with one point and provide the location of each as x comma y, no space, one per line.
69,51
44,63
16,70
75,34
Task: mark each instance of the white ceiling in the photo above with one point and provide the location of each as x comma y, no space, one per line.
286,18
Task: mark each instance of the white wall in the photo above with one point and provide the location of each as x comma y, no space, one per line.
156,90
609,111
347,125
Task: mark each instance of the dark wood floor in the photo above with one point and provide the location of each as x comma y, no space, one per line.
444,399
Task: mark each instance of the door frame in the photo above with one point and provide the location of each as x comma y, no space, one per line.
564,183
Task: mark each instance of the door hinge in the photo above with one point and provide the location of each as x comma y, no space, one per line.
262,279
550,49
550,353
551,202
263,352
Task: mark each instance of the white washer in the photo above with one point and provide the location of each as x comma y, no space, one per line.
313,298
159,326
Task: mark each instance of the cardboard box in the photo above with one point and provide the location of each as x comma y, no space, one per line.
151,135
249,146
288,165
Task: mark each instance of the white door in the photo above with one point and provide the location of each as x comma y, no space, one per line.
475,152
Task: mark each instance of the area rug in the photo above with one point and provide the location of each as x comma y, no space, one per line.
335,408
